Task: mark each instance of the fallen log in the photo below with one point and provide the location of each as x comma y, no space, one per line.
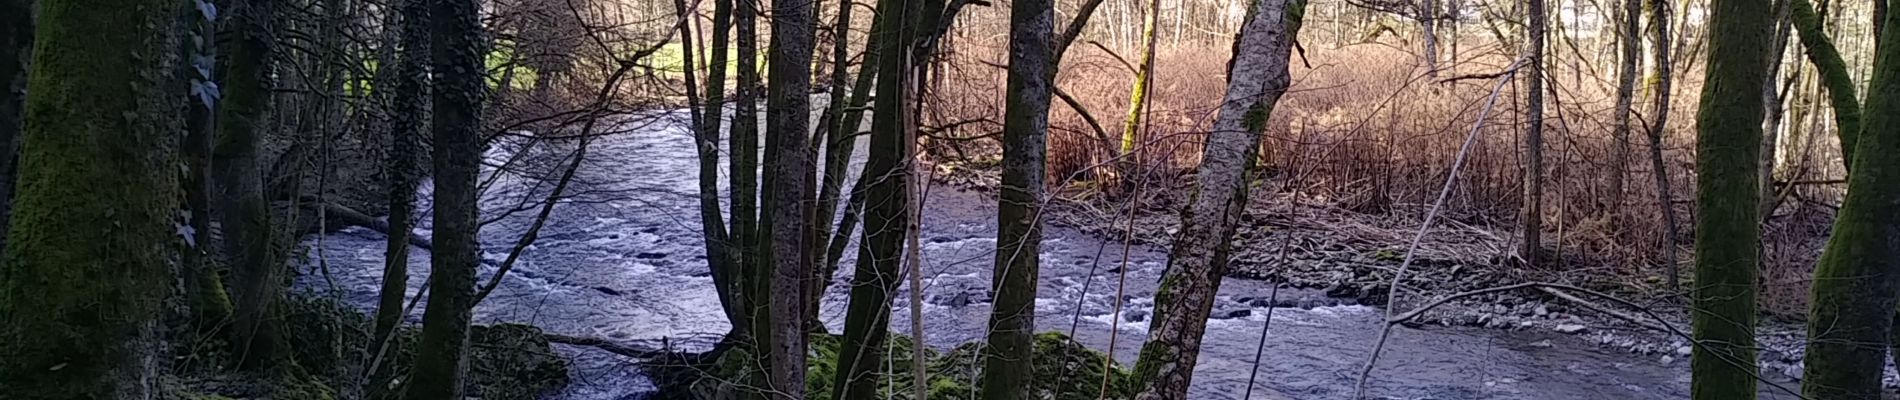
610,347
345,216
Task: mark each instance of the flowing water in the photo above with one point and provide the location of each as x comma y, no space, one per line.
623,260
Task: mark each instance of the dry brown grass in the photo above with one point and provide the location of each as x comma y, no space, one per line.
1363,129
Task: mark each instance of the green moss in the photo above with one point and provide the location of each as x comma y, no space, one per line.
92,229
1065,371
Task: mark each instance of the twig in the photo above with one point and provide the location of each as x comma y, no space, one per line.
1605,310
1393,292
1087,117
1111,54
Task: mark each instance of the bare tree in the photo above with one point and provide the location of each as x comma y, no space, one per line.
1531,218
456,50
1629,34
1259,76
886,181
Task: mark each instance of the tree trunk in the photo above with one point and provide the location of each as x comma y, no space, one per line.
1659,30
744,168
456,48
1772,111
1630,34
1728,230
1855,282
719,241
16,46
79,302
788,115
1428,31
838,133
1834,75
204,289
867,319
1203,247
1126,162
1531,217
405,133
1008,365
243,211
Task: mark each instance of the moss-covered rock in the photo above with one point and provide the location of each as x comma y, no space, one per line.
513,361
1067,371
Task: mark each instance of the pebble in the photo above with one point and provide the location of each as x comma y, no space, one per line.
1569,328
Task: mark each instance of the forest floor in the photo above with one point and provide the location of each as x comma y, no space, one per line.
1353,256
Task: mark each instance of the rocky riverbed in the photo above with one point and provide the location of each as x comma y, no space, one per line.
622,261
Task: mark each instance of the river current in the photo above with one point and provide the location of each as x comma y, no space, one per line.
621,259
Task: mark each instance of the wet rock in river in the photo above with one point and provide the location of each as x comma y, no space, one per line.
649,255
1135,316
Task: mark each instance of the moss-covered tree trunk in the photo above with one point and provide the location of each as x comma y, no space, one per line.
1008,364
886,180
456,49
95,217
1203,248
16,45
1855,283
204,289
410,107
1834,76
1127,163
788,118
1728,233
243,211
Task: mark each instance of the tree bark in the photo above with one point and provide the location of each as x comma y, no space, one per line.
405,132
16,46
1008,367
788,115
886,179
97,204
1126,162
1531,217
243,211
1856,281
456,50
1728,230
1427,16
1841,95
204,289
1203,246
744,169
1630,35
837,132
1659,30
719,241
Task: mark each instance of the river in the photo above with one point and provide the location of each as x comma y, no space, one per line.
622,260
